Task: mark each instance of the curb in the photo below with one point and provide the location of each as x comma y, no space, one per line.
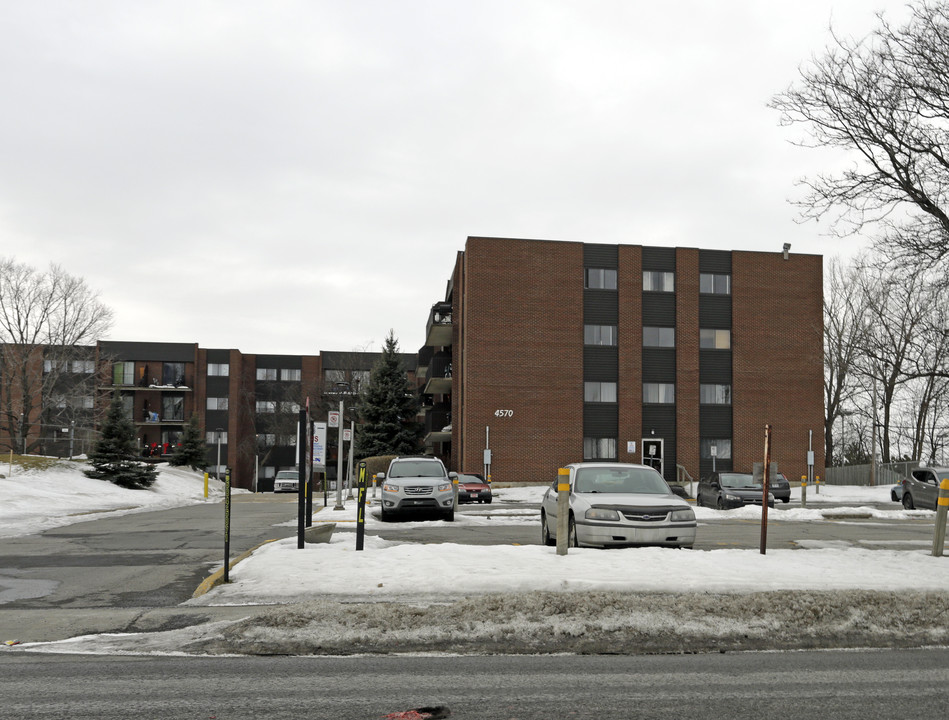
217,577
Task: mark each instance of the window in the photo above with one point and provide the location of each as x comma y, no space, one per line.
657,281
266,440
218,369
715,284
288,407
128,404
123,373
360,379
599,392
331,377
723,448
599,335
173,373
266,406
659,393
599,279
710,394
211,437
51,365
267,471
217,403
290,374
599,448
266,373
659,337
715,339
173,407
84,366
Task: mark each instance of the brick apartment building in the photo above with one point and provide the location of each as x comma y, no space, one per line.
247,404
555,352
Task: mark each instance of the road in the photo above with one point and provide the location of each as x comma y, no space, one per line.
831,685
130,573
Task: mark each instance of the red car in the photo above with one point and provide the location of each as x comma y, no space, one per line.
473,488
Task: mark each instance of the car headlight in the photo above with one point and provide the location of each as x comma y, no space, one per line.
683,515
389,487
733,498
601,514
444,487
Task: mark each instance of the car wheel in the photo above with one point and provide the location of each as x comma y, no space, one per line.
720,504
488,501
787,499
449,516
545,532
572,539
908,502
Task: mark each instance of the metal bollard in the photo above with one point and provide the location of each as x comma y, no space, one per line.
563,510
454,494
942,509
817,484
803,490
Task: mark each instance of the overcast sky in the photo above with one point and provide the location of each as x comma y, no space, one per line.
297,176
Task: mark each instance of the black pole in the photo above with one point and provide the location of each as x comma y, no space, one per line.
227,524
301,477
361,504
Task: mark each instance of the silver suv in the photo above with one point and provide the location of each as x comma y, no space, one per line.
417,484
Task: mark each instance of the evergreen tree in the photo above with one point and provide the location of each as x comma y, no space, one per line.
388,408
191,450
115,453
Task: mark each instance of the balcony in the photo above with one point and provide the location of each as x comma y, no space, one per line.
439,328
425,354
438,378
436,420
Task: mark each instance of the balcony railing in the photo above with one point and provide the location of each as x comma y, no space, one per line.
439,328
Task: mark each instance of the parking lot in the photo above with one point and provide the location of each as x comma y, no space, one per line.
880,524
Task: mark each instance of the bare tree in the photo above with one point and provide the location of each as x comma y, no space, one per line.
45,318
845,328
886,98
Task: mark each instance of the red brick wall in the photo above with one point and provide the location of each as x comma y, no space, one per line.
522,342
630,332
687,359
777,345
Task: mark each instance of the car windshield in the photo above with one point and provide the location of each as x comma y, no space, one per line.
620,480
473,479
738,480
417,468
288,475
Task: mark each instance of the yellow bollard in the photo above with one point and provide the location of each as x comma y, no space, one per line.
563,510
942,509
205,486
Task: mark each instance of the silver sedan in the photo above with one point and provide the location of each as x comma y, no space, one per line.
616,504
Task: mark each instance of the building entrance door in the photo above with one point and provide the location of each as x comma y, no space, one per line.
652,453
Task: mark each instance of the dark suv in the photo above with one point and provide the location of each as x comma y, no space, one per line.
415,484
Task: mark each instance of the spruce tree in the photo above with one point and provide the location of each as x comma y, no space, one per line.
388,408
115,453
191,450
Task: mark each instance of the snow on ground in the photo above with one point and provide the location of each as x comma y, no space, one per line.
35,500
406,597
